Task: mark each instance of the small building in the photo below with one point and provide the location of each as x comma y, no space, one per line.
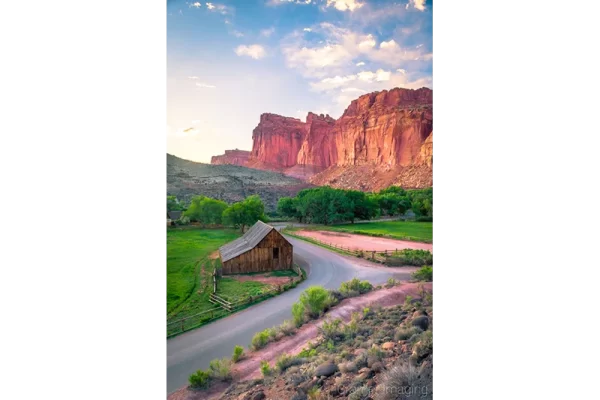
173,216
261,249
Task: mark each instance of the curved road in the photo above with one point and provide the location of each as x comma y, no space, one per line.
193,350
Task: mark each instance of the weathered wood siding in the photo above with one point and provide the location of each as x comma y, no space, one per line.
260,258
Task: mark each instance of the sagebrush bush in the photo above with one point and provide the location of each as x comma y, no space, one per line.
265,369
285,361
316,299
260,339
405,333
425,273
331,329
299,314
360,393
288,327
424,345
220,369
405,376
415,257
355,287
238,352
199,379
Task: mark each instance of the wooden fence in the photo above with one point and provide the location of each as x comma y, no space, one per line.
225,306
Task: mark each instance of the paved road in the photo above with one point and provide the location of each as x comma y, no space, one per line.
193,350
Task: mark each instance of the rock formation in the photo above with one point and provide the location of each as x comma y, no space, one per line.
276,142
318,148
382,138
231,157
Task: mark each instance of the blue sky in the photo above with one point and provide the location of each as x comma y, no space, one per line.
230,61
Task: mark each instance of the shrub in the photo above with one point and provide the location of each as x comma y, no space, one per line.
288,327
360,393
260,339
331,329
390,283
412,257
305,353
199,379
424,346
366,312
220,369
285,361
314,393
315,299
404,375
425,273
298,312
355,287
265,369
405,333
238,352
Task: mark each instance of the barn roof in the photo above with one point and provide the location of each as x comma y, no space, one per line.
174,214
247,242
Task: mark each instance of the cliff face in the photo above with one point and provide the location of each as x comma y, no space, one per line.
276,142
318,148
382,138
231,157
384,128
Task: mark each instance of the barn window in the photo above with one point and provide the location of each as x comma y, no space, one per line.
275,253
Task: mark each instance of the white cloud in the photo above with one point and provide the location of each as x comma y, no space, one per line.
210,6
332,83
360,64
255,51
377,76
196,4
220,8
344,5
307,30
192,77
267,32
341,47
402,71
237,34
418,4
353,90
204,85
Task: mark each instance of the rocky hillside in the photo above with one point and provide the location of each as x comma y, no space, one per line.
229,183
382,138
231,157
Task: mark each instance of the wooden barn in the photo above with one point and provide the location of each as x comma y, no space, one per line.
260,249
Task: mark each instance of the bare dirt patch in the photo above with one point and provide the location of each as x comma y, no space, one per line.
262,278
363,242
249,367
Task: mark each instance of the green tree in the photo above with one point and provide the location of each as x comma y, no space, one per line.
286,206
245,213
206,210
173,204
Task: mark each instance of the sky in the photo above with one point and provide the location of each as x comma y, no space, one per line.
230,61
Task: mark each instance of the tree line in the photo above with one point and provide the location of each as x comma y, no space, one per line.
322,205
326,205
209,211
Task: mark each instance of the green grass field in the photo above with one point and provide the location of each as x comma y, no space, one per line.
190,267
404,230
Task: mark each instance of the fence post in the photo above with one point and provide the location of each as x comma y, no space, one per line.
373,257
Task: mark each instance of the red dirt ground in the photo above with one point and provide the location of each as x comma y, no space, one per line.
363,242
249,367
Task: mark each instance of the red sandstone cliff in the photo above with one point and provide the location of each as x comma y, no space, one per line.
276,142
318,148
382,138
232,157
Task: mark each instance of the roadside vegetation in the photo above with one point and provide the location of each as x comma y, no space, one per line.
378,348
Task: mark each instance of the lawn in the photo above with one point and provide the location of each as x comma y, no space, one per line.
190,267
403,230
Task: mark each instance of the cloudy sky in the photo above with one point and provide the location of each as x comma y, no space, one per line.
230,61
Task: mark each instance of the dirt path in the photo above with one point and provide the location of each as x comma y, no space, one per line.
249,367
363,242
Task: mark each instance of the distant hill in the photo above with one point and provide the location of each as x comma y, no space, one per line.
229,183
